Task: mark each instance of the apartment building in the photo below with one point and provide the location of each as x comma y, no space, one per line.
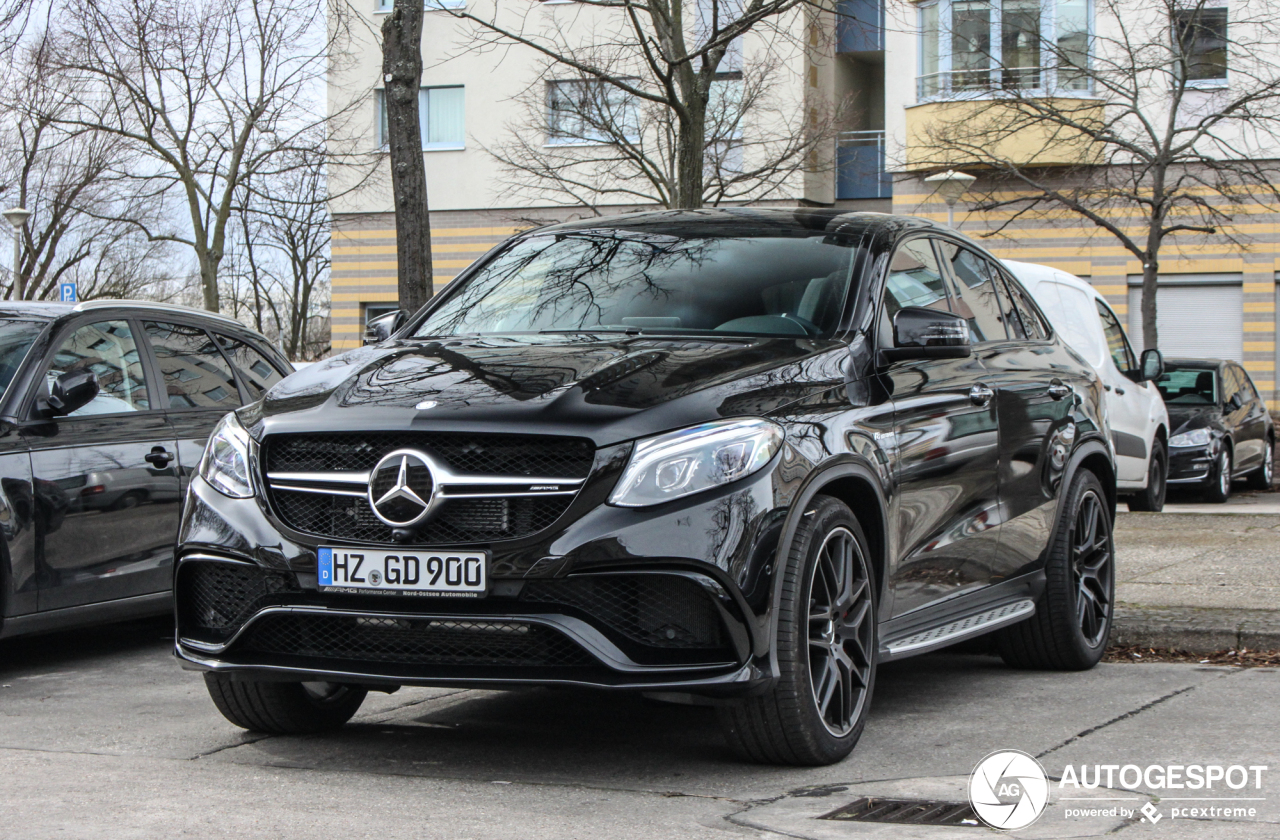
890,64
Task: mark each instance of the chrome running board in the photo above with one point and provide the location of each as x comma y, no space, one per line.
958,630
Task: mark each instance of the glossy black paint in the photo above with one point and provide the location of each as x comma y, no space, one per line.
1244,427
958,494
90,505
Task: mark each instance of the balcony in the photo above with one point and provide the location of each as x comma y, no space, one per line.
970,83
860,166
859,26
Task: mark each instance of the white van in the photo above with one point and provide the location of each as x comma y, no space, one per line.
1135,410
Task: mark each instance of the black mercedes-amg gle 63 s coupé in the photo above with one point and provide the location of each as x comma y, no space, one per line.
743,455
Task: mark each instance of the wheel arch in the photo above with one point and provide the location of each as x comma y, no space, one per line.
1093,456
859,485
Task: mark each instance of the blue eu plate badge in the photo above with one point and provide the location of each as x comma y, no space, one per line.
325,566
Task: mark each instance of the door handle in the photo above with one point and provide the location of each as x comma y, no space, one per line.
1119,390
980,394
1057,390
158,457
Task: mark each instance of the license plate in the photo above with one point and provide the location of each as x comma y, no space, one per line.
459,574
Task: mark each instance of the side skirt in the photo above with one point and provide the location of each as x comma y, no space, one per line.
933,627
157,603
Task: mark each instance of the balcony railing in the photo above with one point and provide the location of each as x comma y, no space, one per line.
860,26
961,82
860,166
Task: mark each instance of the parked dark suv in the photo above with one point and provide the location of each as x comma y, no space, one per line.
105,408
1221,427
744,454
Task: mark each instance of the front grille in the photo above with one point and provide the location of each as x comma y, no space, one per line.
437,641
217,598
504,455
480,519
457,521
663,611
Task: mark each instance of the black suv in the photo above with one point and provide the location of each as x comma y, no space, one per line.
105,407
743,454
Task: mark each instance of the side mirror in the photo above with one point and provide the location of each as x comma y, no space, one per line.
1235,402
1151,367
381,328
921,333
71,391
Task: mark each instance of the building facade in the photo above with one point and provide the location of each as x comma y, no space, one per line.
887,65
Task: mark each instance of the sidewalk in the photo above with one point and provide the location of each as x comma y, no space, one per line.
1200,577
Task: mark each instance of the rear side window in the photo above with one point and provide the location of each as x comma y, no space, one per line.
255,371
108,349
915,279
978,298
1246,385
1033,325
1117,344
195,373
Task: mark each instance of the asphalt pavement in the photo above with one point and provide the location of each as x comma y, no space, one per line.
102,735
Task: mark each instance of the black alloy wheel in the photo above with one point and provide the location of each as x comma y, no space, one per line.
1093,568
1219,489
840,632
826,647
1263,476
1151,498
1073,615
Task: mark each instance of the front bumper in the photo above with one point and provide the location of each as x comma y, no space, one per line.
669,598
1191,464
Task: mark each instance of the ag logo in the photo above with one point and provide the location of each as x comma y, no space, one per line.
1008,790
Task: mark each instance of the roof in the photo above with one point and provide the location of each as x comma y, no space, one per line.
50,310
741,221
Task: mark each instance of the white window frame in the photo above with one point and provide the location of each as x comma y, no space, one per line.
1048,33
382,7
1211,84
552,140
380,120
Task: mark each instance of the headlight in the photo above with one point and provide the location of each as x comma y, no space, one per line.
1196,437
691,460
225,464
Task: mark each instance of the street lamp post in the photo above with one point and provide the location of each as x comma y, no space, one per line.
17,216
951,185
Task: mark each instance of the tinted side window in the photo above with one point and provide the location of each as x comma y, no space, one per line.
195,373
1232,383
915,279
255,371
978,297
1032,322
1246,385
108,349
1117,344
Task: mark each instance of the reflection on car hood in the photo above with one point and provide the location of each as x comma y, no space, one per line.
609,389
1185,418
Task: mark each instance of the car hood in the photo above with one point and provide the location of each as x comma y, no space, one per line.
1186,418
609,390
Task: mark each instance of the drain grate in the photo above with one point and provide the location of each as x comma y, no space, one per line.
908,811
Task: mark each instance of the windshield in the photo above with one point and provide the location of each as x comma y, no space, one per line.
1189,386
16,338
600,281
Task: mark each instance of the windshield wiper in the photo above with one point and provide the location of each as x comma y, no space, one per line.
626,331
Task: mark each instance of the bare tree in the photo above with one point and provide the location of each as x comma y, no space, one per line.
81,227
1131,126
661,84
279,279
208,92
402,75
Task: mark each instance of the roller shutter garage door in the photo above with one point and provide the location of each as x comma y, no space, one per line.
1196,321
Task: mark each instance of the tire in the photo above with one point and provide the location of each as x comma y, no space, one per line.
1219,487
1152,498
815,711
1072,622
1263,476
284,708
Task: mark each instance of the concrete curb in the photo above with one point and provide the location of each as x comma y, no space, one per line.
1196,630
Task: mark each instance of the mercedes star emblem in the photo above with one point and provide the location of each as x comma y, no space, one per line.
401,488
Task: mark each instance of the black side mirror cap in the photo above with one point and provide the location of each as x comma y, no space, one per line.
383,327
922,333
71,391
1150,368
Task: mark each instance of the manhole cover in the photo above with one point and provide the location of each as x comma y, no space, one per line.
909,811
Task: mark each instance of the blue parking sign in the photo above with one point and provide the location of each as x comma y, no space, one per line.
67,292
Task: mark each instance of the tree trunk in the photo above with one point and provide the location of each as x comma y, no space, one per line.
1150,332
209,281
402,75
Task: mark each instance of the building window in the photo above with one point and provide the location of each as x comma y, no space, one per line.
440,112
431,5
1200,39
587,111
973,46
